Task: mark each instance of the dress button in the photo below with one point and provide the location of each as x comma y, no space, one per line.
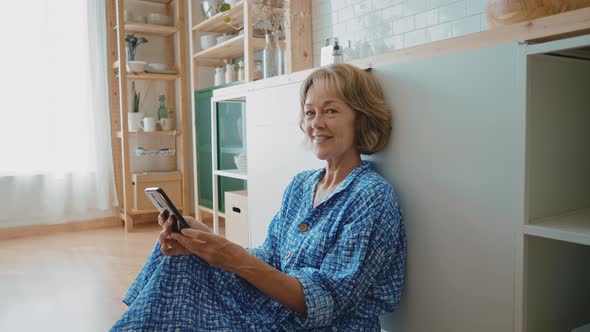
303,227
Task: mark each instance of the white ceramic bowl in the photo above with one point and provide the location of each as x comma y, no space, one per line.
240,161
224,38
207,41
157,66
159,19
136,66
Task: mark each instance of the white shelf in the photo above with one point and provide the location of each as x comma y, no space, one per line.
232,149
572,227
232,173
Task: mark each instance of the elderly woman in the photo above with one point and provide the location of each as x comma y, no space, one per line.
334,257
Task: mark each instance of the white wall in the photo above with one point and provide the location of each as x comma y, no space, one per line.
387,25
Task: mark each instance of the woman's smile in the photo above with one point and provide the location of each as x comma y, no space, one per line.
321,138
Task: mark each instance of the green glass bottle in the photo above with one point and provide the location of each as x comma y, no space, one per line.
162,113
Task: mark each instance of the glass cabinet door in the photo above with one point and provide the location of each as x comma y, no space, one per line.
231,138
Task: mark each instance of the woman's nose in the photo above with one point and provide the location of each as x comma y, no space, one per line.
318,121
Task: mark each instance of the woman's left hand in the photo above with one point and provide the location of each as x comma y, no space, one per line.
213,248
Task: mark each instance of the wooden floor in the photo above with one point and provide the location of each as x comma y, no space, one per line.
70,281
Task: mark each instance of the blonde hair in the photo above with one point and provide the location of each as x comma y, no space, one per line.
363,94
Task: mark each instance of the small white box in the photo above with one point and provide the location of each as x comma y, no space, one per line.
237,228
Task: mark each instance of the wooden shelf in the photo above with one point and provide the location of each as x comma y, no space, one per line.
209,63
150,29
230,49
152,133
163,2
217,23
174,86
572,227
232,173
149,76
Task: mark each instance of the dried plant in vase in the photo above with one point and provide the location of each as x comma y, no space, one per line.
268,15
132,44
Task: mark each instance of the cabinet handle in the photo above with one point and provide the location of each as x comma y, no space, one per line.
235,209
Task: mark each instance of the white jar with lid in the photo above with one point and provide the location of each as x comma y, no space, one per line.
219,76
240,70
258,71
230,73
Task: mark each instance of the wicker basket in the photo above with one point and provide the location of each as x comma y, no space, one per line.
504,12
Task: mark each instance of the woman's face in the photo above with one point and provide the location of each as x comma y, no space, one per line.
329,125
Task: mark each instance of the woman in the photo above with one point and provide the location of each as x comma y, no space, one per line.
334,257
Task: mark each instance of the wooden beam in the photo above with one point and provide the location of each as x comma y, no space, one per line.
299,52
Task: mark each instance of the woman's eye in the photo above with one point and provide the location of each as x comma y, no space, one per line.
331,111
309,113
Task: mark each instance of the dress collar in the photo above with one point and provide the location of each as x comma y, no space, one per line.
365,165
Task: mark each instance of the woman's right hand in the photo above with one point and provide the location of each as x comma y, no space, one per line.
169,246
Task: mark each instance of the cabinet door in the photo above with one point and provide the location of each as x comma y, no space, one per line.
231,142
203,146
230,129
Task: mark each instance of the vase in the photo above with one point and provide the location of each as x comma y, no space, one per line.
267,57
279,56
503,12
130,54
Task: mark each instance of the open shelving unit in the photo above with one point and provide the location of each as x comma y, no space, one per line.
136,170
556,230
298,56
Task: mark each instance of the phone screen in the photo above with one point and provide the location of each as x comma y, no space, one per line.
161,201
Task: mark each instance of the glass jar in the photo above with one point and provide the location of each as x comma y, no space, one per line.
240,70
219,76
258,71
230,73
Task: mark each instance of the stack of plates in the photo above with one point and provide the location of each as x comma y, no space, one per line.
160,68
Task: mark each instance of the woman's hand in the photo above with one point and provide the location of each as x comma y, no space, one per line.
213,248
196,224
169,246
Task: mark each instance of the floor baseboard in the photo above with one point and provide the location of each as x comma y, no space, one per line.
73,226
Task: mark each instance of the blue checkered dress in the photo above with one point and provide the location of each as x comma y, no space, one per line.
349,258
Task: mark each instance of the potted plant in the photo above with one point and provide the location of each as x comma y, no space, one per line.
135,115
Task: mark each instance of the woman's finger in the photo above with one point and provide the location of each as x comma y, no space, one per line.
162,217
196,234
162,237
182,240
167,248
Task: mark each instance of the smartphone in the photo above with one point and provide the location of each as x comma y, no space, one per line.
162,202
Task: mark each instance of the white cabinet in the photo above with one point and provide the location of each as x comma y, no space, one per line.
490,157
237,228
556,248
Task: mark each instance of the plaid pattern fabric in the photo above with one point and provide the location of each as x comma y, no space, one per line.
349,257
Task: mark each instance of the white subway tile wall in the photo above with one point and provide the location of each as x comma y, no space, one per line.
379,26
